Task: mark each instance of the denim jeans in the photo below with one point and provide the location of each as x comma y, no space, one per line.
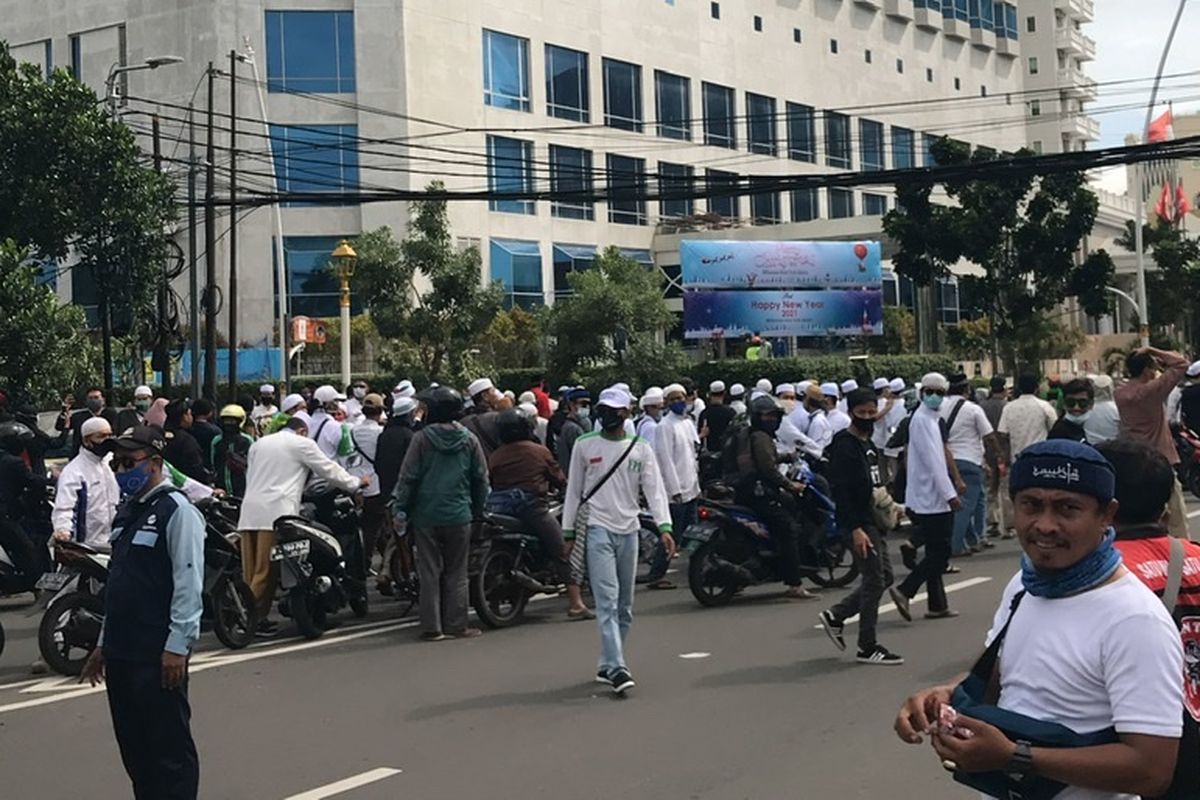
612,564
971,519
682,517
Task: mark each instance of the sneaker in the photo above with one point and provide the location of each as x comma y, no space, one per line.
267,629
901,603
879,655
833,629
945,613
621,680
987,544
908,554
433,636
602,677
466,633
951,570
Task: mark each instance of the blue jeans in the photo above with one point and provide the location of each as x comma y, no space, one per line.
970,521
682,517
612,564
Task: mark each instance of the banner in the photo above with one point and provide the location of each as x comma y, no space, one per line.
775,313
780,265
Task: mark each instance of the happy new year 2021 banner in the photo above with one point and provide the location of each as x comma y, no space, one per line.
708,264
732,314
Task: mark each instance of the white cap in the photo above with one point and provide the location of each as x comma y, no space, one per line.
737,390
763,385
327,394
897,385
94,425
527,410
510,394
564,389
527,397
624,387
479,386
829,389
290,402
671,388
615,397
784,388
1194,370
757,393
403,405
266,388
849,386
716,387
880,384
802,387
653,397
144,391
936,381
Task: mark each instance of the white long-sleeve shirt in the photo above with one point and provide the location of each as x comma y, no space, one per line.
86,498
819,429
326,432
277,468
675,449
647,428
789,439
929,489
614,506
839,420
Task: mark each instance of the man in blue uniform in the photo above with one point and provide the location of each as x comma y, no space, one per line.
151,620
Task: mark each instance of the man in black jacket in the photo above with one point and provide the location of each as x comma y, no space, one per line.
854,468
389,455
182,450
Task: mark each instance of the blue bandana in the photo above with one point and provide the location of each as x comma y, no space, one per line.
1091,571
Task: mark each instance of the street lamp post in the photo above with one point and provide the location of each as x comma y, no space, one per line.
1137,307
117,69
343,261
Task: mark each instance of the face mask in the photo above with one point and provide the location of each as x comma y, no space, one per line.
359,393
679,407
933,401
863,425
142,405
1078,419
610,420
134,480
230,427
789,406
770,424
584,415
92,448
95,404
267,400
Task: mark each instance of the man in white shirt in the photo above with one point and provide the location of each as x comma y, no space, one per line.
847,386
1027,419
86,497
326,431
675,450
931,500
815,423
967,429
1085,643
737,399
353,406
364,440
265,408
611,469
652,407
839,420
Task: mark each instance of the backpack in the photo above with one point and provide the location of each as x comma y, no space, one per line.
899,440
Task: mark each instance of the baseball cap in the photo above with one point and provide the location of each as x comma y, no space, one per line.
716,387
140,437
327,394
615,397
143,391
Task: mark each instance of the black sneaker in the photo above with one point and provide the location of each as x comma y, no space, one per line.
621,680
879,655
901,603
602,677
833,629
267,629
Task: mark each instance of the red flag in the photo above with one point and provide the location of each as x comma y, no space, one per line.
1165,207
1161,129
1182,206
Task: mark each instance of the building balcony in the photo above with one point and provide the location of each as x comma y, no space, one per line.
955,28
874,5
900,9
929,20
1007,47
1079,127
983,38
1082,10
1077,84
1071,40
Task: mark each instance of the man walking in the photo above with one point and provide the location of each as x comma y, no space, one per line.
652,409
362,463
999,507
675,451
716,418
576,423
152,610
967,431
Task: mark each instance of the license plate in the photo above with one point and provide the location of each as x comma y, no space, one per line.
290,550
53,581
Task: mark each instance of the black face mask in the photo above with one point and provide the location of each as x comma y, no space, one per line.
769,424
866,426
610,419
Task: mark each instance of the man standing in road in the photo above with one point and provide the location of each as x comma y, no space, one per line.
652,409
577,422
202,428
716,418
839,420
967,431
999,507
86,496
675,451
323,428
363,462
1189,398
816,401
1141,401
265,408
182,450
135,414
1078,398
152,608
73,421
483,417
1027,419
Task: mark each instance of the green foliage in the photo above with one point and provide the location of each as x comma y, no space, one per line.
512,341
970,340
43,349
899,332
1172,289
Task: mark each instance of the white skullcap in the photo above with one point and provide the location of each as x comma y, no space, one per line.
1194,370
624,387
829,389
479,386
527,410
671,388
849,386
880,384
936,381
290,402
757,393
802,387
266,388
653,397
763,385
403,405
784,388
327,394
615,397
897,385
95,425
716,387
1103,381
737,390
527,397
143,391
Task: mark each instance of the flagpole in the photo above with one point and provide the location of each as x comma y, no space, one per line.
1140,219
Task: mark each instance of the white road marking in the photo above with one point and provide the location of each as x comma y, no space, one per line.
953,587
16,684
1193,514
694,655
353,782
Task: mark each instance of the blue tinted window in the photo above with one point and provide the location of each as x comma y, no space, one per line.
1010,20
801,132
764,205
627,190
760,123
505,71
719,115
312,287
675,179
837,140
571,171
871,141
510,169
904,154
928,141
874,205
316,158
841,203
954,9
805,205
76,57
674,105
982,14
622,95
724,204
517,265
566,84
948,305
570,258
310,51
932,5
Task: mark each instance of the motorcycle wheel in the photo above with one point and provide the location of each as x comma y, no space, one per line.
702,570
1194,481
836,567
497,598
1,640
360,605
70,624
308,612
234,617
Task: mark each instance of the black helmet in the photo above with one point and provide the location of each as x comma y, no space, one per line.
513,426
760,408
442,404
15,436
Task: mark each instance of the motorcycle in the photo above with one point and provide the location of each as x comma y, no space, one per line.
1187,443
70,626
323,565
228,601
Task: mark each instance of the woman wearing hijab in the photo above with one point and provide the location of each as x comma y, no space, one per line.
157,415
1104,423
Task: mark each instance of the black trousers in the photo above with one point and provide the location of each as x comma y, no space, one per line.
543,525
876,571
153,727
936,530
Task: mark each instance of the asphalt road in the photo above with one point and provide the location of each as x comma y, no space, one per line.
748,701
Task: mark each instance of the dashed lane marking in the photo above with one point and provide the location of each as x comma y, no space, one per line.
346,784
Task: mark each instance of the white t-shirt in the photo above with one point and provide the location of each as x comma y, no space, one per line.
1027,420
1109,657
839,420
970,426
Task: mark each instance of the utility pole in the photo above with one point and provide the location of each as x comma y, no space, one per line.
161,356
232,302
193,273
210,250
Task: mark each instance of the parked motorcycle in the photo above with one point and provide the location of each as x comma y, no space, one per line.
1188,445
228,601
70,626
323,565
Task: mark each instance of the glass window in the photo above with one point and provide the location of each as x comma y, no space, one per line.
571,171
570,258
874,205
310,51
622,95
312,288
517,265
725,205
982,14
76,57
758,23
714,8
837,140
801,132
805,205
1005,17
891,289
955,9
1033,65
637,254
871,136
1030,23
928,140
673,94
627,190
719,116
764,205
505,71
567,84
904,154
841,203
948,307
675,178
316,158
760,123
1035,108
510,169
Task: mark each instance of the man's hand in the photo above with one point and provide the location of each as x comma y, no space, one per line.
174,670
960,486
955,504
62,536
987,750
364,481
93,668
669,543
677,499
861,543
919,712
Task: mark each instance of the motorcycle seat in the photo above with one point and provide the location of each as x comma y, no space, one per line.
733,508
505,522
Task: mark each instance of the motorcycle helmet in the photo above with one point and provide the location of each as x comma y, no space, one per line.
443,404
765,414
513,426
15,437
234,411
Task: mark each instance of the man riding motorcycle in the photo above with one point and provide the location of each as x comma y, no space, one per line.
17,485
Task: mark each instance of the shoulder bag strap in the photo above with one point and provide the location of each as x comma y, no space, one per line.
985,667
954,415
612,471
1174,575
359,450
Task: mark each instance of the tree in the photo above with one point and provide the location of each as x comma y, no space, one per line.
1171,289
512,341
43,349
899,332
440,324
970,339
1024,232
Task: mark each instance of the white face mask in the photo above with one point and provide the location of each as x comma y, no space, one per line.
359,392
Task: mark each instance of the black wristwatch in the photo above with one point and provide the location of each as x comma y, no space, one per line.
1020,766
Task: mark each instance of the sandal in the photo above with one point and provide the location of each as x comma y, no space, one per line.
576,614
661,583
800,593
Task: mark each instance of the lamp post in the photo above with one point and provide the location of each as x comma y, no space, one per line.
1137,307
343,261
117,69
